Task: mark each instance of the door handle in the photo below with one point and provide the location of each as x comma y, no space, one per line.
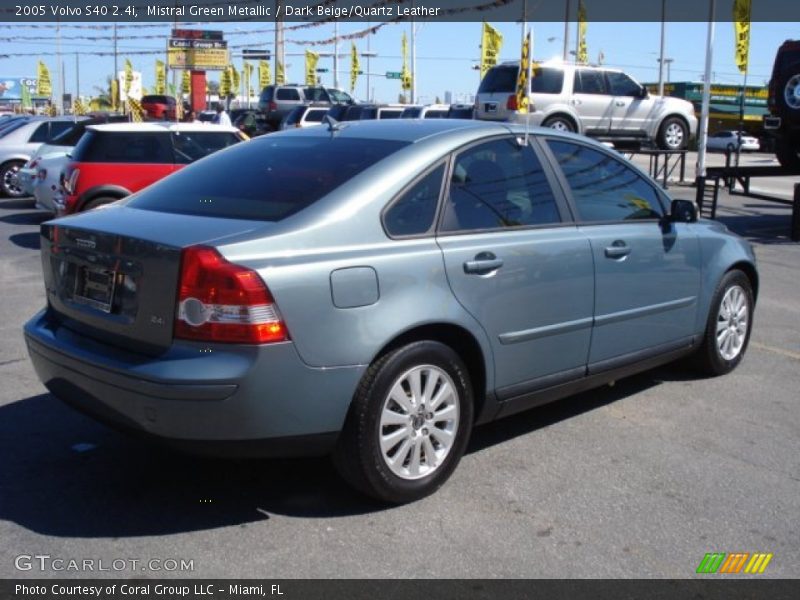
618,249
620,103
576,101
483,263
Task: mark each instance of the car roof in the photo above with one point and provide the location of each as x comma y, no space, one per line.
154,127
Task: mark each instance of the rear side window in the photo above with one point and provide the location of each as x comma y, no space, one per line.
124,147
390,114
69,137
498,185
603,187
547,81
589,82
436,114
59,127
288,94
413,212
411,113
499,80
620,84
266,179
193,145
315,94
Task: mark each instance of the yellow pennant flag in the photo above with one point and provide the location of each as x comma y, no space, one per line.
161,77
312,58
741,20
43,86
491,42
583,53
247,72
355,67
186,82
264,74
128,76
136,110
225,83
523,84
280,76
235,81
78,108
405,73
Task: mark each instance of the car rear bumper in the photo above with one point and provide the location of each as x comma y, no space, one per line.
241,400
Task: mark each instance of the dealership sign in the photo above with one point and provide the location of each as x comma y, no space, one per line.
197,50
11,87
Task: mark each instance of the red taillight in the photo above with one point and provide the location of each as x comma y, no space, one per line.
42,174
273,106
222,302
511,103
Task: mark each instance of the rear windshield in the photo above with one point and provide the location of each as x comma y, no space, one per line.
70,137
267,179
504,80
154,99
315,115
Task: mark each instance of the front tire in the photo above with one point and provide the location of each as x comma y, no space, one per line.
673,134
408,425
730,321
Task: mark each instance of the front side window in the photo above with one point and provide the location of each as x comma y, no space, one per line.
194,145
413,212
620,84
288,94
604,188
496,185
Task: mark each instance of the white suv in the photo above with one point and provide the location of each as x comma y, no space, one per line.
598,102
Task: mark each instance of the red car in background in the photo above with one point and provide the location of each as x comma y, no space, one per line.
113,161
158,106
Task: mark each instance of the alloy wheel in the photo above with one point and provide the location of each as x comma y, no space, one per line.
732,323
791,92
673,135
418,422
10,185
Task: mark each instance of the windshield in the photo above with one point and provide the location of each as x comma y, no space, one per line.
268,179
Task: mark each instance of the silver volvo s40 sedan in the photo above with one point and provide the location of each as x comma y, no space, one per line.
374,289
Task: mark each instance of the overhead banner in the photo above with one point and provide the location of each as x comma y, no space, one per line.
741,21
12,88
43,87
491,42
583,53
312,58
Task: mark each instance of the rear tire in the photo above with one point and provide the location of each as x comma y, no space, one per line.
730,321
96,202
787,151
673,134
408,425
560,123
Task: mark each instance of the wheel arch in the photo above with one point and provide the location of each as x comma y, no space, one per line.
674,115
112,191
748,269
463,343
564,114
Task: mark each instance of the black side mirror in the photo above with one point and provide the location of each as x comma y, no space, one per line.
683,211
643,93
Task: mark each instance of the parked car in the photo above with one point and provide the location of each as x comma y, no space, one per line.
606,104
363,112
305,116
783,101
19,141
40,176
461,111
159,106
113,161
277,101
429,111
728,141
252,123
376,292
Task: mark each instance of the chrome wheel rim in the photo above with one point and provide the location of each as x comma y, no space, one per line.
792,92
10,187
560,125
732,323
419,421
673,135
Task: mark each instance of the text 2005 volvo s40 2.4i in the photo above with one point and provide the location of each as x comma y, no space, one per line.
375,289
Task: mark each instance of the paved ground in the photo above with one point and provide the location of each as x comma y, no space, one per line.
641,479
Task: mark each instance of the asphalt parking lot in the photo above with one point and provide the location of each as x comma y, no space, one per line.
636,480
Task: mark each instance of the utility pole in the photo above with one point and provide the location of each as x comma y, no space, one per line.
336,54
115,77
59,104
703,129
77,77
661,54
566,31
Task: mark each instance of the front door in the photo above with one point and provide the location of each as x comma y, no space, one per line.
512,262
591,100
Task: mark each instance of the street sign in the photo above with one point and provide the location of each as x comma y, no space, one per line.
394,75
250,54
322,70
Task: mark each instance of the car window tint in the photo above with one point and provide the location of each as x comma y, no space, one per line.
413,213
315,94
436,114
589,82
59,127
315,115
604,188
269,178
193,145
124,147
499,79
390,114
368,113
295,115
547,81
40,134
620,84
498,184
287,94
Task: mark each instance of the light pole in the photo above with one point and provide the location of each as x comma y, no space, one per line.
368,55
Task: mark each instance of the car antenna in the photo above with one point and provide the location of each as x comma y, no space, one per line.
333,124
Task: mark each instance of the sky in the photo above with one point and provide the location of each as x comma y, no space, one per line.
446,52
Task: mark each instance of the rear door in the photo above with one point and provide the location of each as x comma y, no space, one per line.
647,271
592,102
518,265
